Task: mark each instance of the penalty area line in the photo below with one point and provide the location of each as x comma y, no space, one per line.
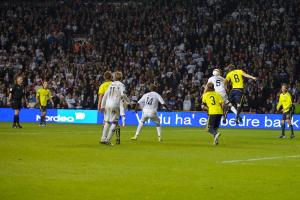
259,159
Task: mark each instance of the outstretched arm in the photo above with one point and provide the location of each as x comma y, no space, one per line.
249,76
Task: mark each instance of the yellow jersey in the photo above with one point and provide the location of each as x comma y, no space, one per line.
285,100
214,101
236,79
43,95
103,87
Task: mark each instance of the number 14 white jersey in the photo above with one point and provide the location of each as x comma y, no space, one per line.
219,84
149,101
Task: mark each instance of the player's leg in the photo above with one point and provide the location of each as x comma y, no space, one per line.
216,127
140,126
283,126
156,120
240,99
211,125
118,134
114,118
16,116
105,125
289,117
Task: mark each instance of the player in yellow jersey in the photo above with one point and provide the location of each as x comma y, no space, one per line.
286,106
236,95
43,95
213,102
103,87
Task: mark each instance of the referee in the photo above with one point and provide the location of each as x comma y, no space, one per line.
16,95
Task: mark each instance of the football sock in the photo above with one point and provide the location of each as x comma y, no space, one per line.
282,128
104,131
15,119
138,130
111,132
232,108
158,131
292,129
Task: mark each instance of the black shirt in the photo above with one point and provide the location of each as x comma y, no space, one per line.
17,92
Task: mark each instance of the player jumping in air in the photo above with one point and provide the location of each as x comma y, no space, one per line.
15,99
149,103
213,102
220,87
110,104
43,95
286,105
236,95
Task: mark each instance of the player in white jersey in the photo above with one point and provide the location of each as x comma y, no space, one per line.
112,106
149,103
220,87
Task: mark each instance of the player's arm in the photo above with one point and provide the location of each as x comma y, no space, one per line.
162,102
204,105
10,96
248,76
103,102
279,103
100,96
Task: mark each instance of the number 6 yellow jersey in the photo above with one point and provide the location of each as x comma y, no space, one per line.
213,101
236,79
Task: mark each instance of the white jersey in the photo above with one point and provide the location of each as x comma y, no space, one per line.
150,101
113,95
219,84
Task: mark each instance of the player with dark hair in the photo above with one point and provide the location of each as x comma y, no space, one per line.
236,95
43,95
213,102
285,103
15,99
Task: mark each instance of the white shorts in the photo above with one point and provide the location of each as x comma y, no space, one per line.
225,98
111,114
150,115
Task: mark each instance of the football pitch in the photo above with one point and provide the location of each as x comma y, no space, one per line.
66,162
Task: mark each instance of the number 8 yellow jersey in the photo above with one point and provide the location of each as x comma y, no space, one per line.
236,79
213,101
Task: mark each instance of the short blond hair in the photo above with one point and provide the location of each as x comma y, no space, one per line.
118,76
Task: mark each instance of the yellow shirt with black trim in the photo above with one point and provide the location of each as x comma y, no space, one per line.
236,79
43,95
213,101
285,100
103,87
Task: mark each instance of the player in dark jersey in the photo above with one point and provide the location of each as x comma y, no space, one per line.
16,97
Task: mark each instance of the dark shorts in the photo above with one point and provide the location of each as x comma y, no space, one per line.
43,108
289,114
16,105
236,96
214,121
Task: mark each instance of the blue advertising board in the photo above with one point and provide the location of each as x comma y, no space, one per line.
186,119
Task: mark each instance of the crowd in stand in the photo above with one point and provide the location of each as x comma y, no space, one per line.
175,44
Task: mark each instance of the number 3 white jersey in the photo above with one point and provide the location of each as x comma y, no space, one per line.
149,101
113,96
219,84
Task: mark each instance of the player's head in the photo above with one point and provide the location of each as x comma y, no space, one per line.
216,72
210,87
118,76
232,67
107,76
284,87
153,87
45,84
19,80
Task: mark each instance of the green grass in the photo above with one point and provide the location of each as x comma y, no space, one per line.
66,162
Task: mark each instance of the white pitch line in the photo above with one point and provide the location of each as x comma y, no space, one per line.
263,158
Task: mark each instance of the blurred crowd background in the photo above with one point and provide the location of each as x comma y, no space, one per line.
175,44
